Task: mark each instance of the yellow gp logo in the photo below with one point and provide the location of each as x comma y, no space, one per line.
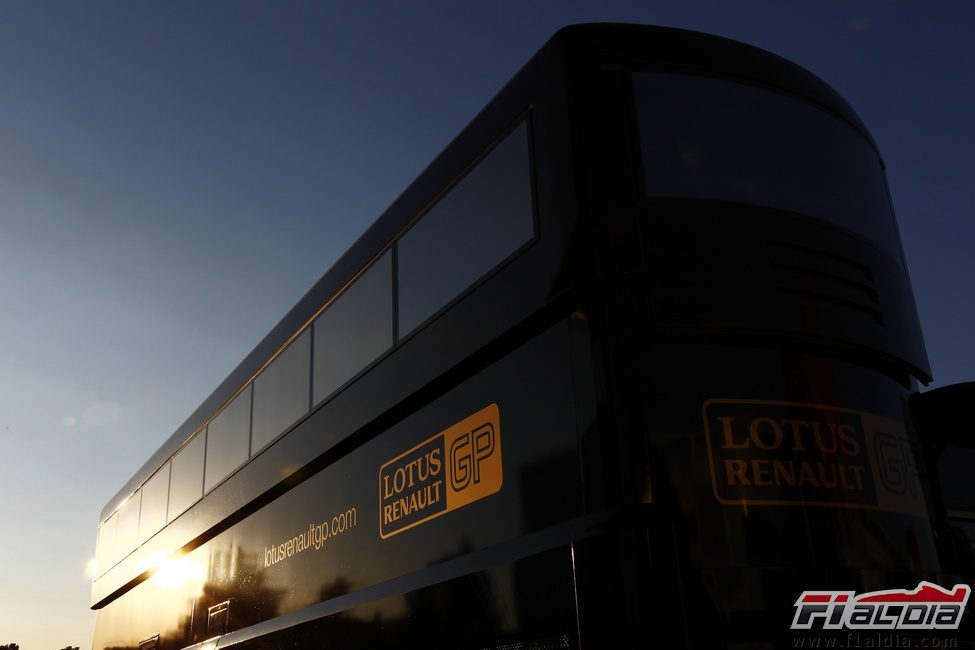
474,446
466,455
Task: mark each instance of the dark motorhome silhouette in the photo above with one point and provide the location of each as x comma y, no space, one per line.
636,357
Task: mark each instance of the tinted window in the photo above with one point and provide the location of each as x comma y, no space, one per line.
281,392
715,139
481,220
228,440
128,525
155,497
105,548
355,329
186,482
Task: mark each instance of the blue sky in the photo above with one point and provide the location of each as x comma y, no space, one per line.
174,176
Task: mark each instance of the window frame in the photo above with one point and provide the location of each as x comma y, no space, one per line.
524,117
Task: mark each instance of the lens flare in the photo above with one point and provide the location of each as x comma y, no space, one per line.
176,572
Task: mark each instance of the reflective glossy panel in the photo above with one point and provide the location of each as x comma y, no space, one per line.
155,497
324,538
528,603
484,218
281,392
753,447
355,329
228,440
186,482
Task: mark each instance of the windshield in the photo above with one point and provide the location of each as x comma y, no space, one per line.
714,139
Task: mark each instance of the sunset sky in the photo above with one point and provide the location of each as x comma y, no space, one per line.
174,176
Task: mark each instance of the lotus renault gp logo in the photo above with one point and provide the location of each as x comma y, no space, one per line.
454,468
929,607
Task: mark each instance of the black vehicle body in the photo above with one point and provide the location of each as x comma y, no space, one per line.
652,358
